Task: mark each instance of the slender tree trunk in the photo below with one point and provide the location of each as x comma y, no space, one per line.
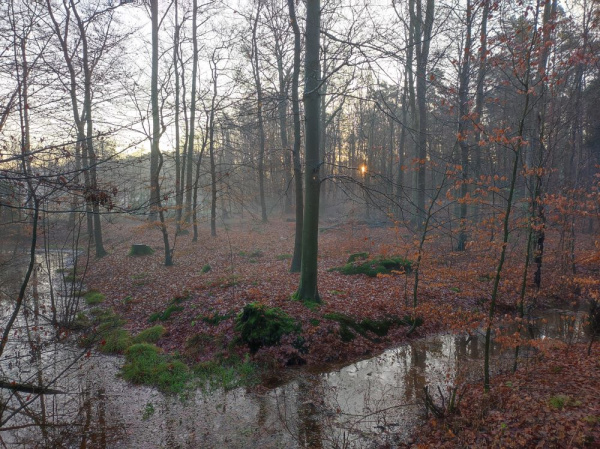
282,109
89,143
192,126
259,113
178,181
479,95
155,154
211,153
463,122
297,257
307,290
506,225
402,149
197,181
422,43
154,150
538,206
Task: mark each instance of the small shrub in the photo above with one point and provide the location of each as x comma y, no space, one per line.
166,314
206,268
559,401
150,335
260,325
140,250
357,256
376,266
93,297
147,365
148,411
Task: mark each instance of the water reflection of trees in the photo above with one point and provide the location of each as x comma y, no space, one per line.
48,399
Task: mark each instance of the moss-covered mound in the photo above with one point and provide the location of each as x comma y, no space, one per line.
140,250
147,365
350,327
379,265
260,325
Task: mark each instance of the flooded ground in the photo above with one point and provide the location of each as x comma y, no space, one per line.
358,405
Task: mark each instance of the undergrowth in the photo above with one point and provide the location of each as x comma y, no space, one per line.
260,325
372,268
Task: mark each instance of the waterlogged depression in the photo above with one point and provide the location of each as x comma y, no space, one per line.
66,396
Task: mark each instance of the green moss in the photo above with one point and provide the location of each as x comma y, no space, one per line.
227,373
314,322
260,325
206,268
283,256
376,266
148,411
165,314
93,297
181,298
81,321
140,250
410,321
350,327
357,256
150,335
252,254
147,365
216,318
72,278
115,342
559,401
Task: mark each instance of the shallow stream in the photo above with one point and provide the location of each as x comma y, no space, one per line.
357,405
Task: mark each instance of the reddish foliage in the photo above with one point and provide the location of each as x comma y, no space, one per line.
245,267
520,410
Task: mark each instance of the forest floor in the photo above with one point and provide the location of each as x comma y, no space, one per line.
249,262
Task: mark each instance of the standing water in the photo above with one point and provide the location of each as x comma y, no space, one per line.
86,404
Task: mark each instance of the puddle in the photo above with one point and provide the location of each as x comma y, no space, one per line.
374,400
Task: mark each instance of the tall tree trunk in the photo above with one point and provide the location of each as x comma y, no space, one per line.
307,290
259,112
282,109
539,137
463,122
422,43
402,149
156,159
178,180
297,257
192,125
479,93
89,142
154,148
211,153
